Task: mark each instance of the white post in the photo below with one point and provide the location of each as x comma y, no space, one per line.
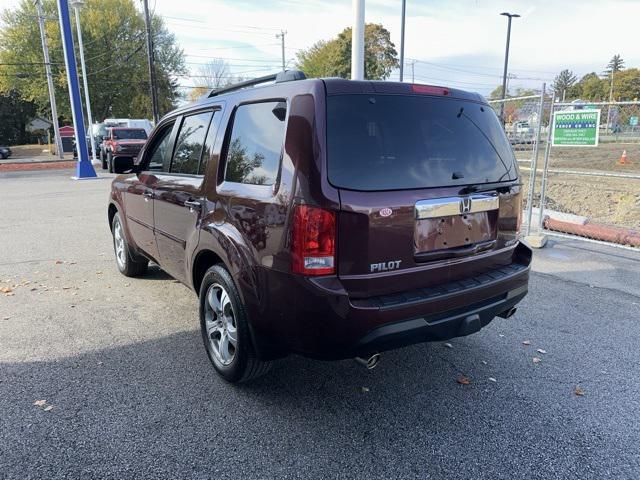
52,93
86,87
357,41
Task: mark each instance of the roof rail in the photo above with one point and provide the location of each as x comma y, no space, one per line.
284,76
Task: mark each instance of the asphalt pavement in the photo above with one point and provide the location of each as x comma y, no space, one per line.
121,364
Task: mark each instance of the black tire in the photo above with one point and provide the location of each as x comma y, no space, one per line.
129,264
3,156
103,160
245,365
109,162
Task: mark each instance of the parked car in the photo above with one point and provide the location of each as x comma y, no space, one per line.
5,152
326,217
121,146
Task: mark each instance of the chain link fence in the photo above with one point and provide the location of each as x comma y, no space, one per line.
598,187
594,186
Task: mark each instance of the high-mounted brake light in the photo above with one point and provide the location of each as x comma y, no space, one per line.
313,244
429,89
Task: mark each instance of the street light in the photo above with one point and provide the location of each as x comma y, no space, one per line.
506,62
77,5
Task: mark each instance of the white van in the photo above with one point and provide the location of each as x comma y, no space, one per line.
129,123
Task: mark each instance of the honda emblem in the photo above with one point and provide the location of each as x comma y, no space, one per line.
465,205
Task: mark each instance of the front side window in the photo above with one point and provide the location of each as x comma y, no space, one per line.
255,145
189,143
158,152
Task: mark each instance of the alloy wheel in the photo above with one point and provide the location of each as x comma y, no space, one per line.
220,324
118,239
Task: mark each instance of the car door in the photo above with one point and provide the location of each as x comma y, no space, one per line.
179,193
138,196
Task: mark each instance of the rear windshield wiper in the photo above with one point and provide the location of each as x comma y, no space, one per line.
500,187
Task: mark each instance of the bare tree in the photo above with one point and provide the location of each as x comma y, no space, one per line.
213,74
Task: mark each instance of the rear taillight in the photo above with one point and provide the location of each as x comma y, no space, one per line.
313,244
429,89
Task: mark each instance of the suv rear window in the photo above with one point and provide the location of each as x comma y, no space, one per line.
129,134
394,142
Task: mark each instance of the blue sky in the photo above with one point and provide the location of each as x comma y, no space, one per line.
457,43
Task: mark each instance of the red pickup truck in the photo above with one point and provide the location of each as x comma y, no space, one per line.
120,147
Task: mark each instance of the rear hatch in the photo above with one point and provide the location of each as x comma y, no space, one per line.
428,188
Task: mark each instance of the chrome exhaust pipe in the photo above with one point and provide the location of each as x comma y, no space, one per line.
508,313
369,362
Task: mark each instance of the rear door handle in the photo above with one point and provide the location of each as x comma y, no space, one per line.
147,196
193,205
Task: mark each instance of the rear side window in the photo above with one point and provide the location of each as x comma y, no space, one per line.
189,143
255,145
393,142
209,142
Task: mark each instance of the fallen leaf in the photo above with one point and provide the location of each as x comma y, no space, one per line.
491,379
127,284
6,318
462,380
448,345
66,288
364,389
33,289
40,403
6,290
578,391
10,294
58,262
526,342
72,306
537,359
541,351
48,408
98,273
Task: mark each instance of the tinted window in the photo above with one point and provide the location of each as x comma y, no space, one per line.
209,142
386,142
189,143
159,148
129,134
255,146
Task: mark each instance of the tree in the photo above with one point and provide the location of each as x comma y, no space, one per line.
213,74
333,58
590,87
15,113
496,93
616,64
626,85
115,53
563,82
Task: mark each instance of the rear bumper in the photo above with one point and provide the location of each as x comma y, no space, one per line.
318,319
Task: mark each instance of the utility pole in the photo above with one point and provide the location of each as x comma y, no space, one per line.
84,169
357,41
506,62
610,100
77,5
281,37
152,71
52,93
404,8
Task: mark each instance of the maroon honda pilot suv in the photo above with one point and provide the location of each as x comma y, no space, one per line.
326,217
